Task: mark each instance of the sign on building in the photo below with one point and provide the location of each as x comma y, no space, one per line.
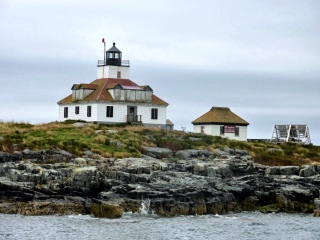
229,129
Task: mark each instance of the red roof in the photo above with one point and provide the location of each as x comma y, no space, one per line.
101,93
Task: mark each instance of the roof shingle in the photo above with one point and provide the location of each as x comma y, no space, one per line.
220,115
101,93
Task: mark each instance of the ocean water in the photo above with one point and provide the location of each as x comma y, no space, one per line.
247,225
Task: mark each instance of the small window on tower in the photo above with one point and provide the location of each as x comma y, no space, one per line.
118,74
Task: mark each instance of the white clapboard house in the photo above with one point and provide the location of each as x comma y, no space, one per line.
221,121
113,98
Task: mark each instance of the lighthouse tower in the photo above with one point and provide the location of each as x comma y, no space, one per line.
113,66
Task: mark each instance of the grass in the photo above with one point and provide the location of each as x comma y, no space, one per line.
127,141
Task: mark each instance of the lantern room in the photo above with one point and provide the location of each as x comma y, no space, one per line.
113,56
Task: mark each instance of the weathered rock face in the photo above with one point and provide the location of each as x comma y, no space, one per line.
182,183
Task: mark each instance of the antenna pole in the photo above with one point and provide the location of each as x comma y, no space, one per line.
104,52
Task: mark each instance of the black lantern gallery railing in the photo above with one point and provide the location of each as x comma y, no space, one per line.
124,63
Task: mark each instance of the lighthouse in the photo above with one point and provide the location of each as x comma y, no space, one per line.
113,66
113,98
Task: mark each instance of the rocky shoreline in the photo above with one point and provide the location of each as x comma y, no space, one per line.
185,182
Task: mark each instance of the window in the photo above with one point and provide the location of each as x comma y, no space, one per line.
237,132
118,74
154,113
65,112
109,111
221,130
88,111
202,129
76,110
110,55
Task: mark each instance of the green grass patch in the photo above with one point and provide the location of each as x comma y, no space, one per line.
128,141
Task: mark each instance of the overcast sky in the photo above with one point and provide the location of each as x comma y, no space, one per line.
260,58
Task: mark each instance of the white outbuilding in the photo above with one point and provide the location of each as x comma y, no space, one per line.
221,121
113,98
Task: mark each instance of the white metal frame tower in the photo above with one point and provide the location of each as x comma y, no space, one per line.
297,133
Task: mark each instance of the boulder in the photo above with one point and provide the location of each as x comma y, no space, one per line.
66,153
80,161
186,154
222,153
316,207
4,157
289,170
106,210
241,152
199,168
307,171
159,152
79,124
213,172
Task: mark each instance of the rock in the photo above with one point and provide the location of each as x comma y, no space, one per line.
112,131
193,182
307,171
213,172
224,170
26,151
106,210
283,170
159,152
316,207
79,124
289,170
109,196
17,156
242,152
190,153
80,161
88,153
275,150
230,151
222,153
28,154
65,153
194,139
272,171
4,157
199,168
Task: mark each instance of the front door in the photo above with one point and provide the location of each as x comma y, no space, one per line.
132,113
